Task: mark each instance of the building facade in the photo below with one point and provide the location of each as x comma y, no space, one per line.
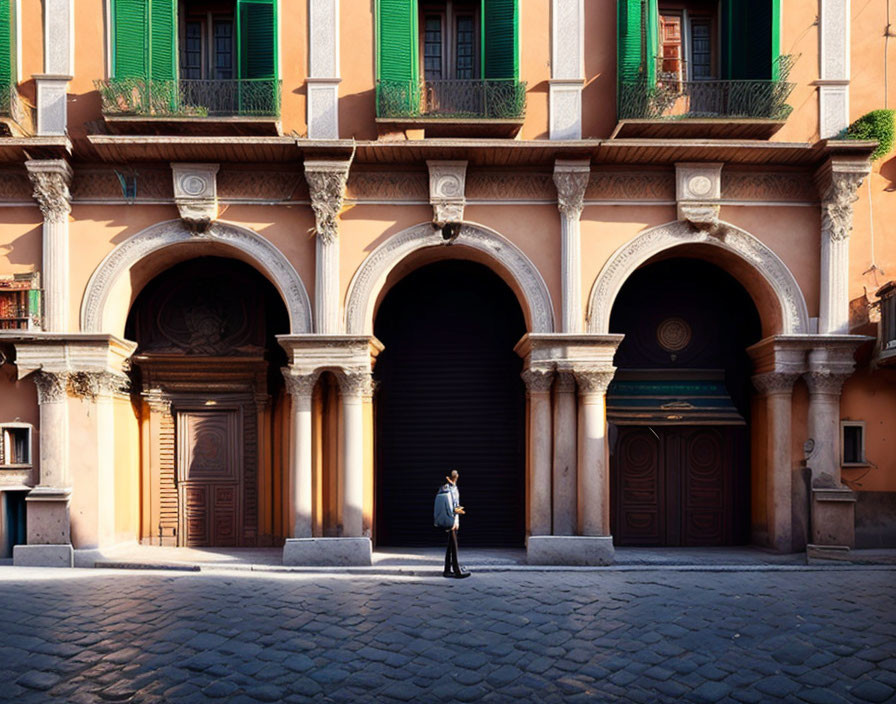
272,268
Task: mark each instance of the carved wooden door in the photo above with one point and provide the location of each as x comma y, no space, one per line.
678,486
209,477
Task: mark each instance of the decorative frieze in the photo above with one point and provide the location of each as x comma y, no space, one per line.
630,185
196,194
447,190
766,186
51,179
508,186
326,186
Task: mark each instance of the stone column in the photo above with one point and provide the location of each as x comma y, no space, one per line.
323,69
838,182
51,179
824,423
571,179
777,388
354,387
538,387
59,59
593,472
326,182
300,387
564,479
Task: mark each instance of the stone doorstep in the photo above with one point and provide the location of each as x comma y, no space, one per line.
43,556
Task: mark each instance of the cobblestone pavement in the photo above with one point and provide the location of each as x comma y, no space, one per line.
91,636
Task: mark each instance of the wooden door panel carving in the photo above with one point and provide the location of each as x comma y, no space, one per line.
638,490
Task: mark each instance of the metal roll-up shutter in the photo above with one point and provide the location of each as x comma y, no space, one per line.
450,397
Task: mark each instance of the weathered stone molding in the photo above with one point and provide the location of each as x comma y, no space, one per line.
120,260
623,262
326,185
446,191
196,194
770,383
538,380
593,381
52,387
51,179
356,384
371,276
698,190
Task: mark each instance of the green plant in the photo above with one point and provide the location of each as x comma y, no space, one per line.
877,125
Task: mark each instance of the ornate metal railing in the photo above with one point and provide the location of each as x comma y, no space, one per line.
470,99
14,106
248,97
671,99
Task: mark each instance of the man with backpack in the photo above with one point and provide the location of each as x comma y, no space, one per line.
446,515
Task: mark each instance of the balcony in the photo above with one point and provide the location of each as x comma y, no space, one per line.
746,109
208,107
16,115
453,108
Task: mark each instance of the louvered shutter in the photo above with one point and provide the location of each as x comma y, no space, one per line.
130,46
500,39
257,39
163,39
397,63
652,53
629,41
7,47
751,29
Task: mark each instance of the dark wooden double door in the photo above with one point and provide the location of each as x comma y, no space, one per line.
679,486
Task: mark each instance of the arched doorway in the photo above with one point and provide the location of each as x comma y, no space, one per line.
679,406
207,367
450,396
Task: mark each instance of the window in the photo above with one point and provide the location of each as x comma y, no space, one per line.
207,41
688,39
852,443
449,40
887,297
20,302
15,444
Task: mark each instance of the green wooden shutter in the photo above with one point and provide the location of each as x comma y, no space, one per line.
397,68
7,47
163,39
651,55
130,45
500,39
751,31
628,41
257,39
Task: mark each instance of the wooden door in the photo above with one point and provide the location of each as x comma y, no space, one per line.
209,477
679,486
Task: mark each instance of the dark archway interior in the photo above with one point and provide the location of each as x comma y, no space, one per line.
679,407
450,397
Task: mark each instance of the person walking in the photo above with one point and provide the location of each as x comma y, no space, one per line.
447,515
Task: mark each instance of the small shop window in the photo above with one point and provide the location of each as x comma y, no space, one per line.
15,444
852,443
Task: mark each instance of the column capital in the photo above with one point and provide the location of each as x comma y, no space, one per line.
771,383
52,387
826,381
51,179
593,381
565,383
838,182
298,384
356,384
538,380
326,184
92,384
571,179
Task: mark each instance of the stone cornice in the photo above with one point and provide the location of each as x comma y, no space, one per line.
69,352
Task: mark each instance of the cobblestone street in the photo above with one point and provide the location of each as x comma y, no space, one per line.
93,635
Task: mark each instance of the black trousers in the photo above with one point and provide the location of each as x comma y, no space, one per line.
451,553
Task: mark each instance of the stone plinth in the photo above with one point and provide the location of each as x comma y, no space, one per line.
43,556
834,517
569,550
328,552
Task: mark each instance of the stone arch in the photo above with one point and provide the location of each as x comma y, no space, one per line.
370,278
109,281
791,316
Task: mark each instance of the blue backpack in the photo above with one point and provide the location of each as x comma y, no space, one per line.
443,510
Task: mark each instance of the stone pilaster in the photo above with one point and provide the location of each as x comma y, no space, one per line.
326,183
564,459
59,59
593,474
300,388
323,69
51,179
538,386
838,182
567,68
571,180
777,388
833,82
355,387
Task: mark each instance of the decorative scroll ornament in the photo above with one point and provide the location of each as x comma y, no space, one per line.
538,380
837,199
571,179
447,184
326,185
356,384
51,386
51,179
774,383
698,189
196,195
594,381
299,384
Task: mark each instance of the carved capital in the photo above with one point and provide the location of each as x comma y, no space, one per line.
158,403
51,179
838,184
566,383
299,384
571,179
51,386
90,385
356,384
825,382
196,194
594,381
326,185
538,380
447,188
774,383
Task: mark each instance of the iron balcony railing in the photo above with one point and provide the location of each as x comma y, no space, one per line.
246,97
12,105
460,99
670,98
